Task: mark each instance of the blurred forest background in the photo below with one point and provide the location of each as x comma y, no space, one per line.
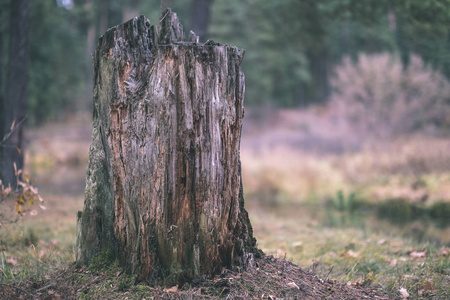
293,47
345,145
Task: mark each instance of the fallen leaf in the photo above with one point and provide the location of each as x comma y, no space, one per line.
445,252
12,260
353,254
418,254
397,244
172,289
392,262
409,276
427,286
42,253
293,285
298,246
404,293
381,242
358,282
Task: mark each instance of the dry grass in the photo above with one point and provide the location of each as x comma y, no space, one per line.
279,161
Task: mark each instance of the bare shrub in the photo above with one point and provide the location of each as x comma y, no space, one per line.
377,97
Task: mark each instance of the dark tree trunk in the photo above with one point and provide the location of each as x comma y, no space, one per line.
163,188
2,105
14,106
318,89
104,15
130,9
89,9
201,11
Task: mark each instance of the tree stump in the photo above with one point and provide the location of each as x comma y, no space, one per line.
163,186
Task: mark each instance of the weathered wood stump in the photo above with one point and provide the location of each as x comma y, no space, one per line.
163,186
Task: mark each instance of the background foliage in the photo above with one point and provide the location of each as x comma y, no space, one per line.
292,46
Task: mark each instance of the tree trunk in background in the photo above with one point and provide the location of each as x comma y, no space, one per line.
201,11
319,73
104,13
130,10
16,97
2,104
90,42
163,187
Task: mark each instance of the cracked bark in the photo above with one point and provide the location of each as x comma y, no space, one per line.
163,185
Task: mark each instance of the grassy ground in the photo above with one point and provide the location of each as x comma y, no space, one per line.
367,215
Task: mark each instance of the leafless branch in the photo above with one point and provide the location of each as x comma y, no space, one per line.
12,130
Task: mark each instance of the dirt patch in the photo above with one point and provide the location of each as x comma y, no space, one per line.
271,278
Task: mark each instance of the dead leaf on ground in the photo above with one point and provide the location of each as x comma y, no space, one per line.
397,244
172,289
330,254
293,285
445,252
404,293
381,242
358,282
392,262
352,254
12,260
418,254
42,253
427,286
